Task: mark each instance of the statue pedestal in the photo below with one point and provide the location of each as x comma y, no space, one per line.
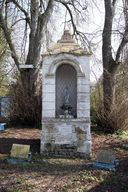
66,137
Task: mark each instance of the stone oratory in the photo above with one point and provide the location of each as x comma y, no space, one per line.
66,100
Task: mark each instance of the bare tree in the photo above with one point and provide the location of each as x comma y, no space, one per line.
36,15
3,67
111,63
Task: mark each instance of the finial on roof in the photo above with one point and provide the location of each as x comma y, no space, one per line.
66,37
66,45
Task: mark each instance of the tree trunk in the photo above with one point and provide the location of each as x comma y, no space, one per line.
110,64
108,91
26,105
107,58
29,79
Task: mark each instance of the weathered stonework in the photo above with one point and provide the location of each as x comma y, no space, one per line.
66,136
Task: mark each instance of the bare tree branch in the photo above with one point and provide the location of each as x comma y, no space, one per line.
42,22
42,5
22,19
7,34
114,2
39,22
124,40
22,10
76,32
72,19
121,47
48,11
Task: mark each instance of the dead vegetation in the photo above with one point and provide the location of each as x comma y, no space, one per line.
20,102
63,174
117,118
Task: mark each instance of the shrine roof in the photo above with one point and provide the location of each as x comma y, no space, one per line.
67,45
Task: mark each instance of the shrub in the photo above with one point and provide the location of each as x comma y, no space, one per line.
24,110
117,119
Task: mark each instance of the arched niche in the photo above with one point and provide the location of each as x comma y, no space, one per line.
74,63
66,78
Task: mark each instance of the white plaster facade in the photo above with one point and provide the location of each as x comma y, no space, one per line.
56,132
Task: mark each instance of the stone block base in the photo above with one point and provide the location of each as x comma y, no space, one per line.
66,154
66,137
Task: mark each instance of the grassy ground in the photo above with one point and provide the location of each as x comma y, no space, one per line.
63,174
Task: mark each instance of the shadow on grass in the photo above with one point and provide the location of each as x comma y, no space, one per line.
115,181
48,168
76,169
